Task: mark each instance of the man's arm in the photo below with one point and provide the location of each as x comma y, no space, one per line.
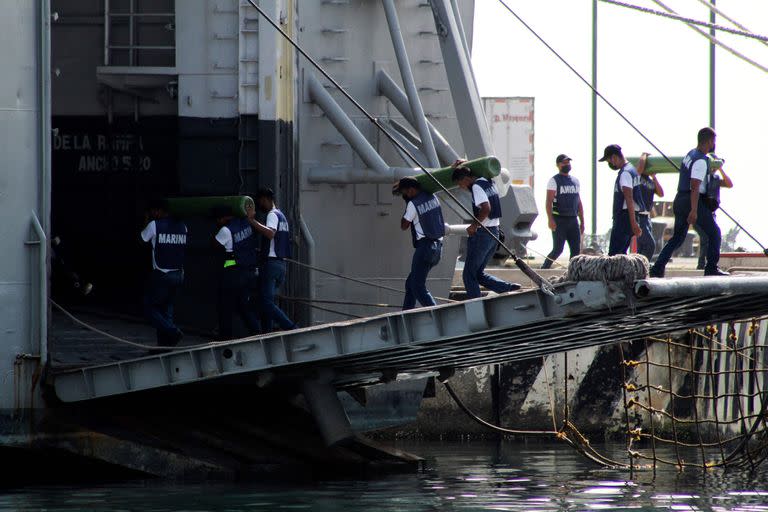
258,226
627,191
485,210
699,171
149,231
694,201
658,190
408,216
550,215
727,182
581,216
479,198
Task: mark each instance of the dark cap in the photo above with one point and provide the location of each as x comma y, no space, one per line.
613,149
562,158
403,183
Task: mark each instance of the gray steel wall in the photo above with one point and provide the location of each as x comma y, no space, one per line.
356,227
21,195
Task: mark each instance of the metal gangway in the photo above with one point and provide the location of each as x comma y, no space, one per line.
492,329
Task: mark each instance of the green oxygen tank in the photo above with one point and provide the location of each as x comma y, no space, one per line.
202,206
486,167
660,165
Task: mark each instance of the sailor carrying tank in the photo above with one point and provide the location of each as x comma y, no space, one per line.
424,217
483,232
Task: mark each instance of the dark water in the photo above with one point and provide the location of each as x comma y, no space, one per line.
466,477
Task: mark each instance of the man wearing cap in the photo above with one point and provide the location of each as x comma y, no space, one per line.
627,201
563,208
690,209
483,233
424,217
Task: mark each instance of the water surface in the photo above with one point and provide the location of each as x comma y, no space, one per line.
475,476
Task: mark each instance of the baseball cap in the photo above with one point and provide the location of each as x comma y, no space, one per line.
407,182
561,158
613,149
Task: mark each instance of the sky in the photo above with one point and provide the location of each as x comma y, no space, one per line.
655,71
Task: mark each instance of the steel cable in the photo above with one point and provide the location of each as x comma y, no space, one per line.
355,280
689,21
711,6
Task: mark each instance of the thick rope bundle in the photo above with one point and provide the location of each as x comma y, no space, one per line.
622,267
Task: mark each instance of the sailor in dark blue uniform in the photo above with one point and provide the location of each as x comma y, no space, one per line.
276,247
690,209
168,237
239,273
481,244
424,217
627,201
649,187
563,208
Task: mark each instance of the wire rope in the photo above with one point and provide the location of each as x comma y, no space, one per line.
689,21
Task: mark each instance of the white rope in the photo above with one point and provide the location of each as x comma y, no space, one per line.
621,267
720,13
717,42
689,21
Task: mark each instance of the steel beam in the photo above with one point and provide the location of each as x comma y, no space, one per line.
466,98
390,90
417,111
326,408
344,125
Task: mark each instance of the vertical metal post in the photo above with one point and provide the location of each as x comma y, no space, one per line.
106,32
712,102
427,145
131,38
41,221
594,117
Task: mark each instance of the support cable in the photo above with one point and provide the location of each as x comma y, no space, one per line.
720,13
579,443
717,42
355,280
542,283
689,21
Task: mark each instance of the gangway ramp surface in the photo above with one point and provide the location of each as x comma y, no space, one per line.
494,329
